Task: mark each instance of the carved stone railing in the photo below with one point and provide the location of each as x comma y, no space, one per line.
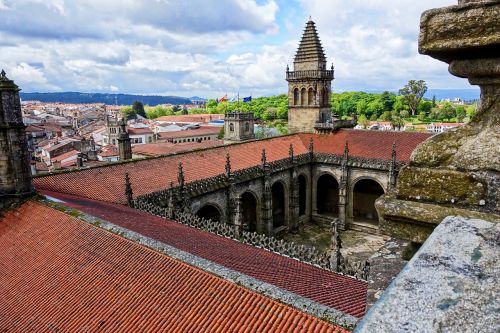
302,253
211,184
335,125
310,74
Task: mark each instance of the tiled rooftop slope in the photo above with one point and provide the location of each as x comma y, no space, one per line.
107,183
59,274
340,292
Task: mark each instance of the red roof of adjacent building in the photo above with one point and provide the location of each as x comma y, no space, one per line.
139,131
62,274
151,175
64,156
192,118
203,130
109,151
164,148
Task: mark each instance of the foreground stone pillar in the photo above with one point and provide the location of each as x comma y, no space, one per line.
456,172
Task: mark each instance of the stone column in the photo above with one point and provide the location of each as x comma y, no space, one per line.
343,189
15,168
237,217
456,172
294,201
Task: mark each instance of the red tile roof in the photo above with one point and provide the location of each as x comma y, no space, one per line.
109,151
163,148
203,130
61,274
69,154
107,183
366,143
139,131
342,292
192,118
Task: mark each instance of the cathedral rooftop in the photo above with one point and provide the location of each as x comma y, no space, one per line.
154,174
310,48
60,273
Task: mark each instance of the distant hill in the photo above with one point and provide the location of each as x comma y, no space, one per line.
465,94
120,99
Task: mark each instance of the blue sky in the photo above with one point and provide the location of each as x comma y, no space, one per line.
210,47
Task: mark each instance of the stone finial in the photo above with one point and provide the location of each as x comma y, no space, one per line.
290,152
332,67
393,153
346,149
180,175
3,73
287,68
123,125
228,166
128,190
263,159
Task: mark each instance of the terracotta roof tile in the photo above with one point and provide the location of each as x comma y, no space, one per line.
192,118
107,183
203,130
157,149
139,131
61,274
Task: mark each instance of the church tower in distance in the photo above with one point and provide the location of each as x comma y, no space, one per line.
15,173
309,85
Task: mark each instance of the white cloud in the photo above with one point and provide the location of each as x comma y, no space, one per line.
209,47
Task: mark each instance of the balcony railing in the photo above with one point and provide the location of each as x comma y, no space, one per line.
310,74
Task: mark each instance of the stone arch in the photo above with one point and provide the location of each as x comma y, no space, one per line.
249,210
247,127
327,195
231,127
326,96
302,194
296,96
278,194
311,96
210,211
364,193
303,96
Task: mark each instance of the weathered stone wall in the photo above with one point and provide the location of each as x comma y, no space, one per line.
15,173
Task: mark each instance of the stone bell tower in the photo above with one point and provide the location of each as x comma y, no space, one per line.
15,173
124,146
309,85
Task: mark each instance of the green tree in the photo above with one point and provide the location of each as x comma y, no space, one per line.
397,122
128,112
413,92
404,114
386,116
363,121
184,110
220,136
460,113
387,99
138,109
433,101
421,116
176,108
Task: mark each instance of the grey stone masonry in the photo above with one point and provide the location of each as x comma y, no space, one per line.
15,173
452,284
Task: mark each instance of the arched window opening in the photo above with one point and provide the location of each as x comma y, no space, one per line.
302,195
247,127
278,198
209,212
296,96
327,195
365,192
249,211
231,127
